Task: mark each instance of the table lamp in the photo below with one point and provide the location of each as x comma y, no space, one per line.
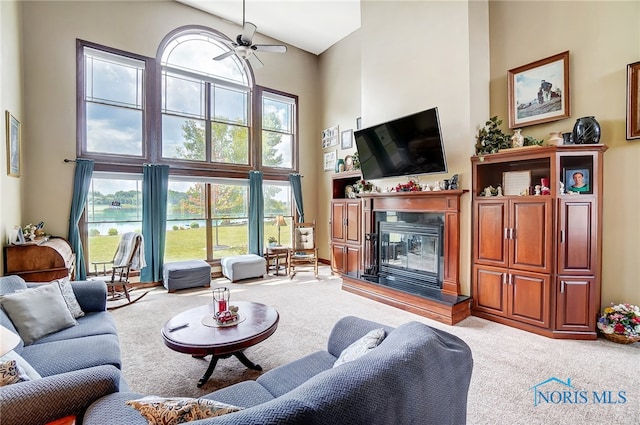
8,340
280,222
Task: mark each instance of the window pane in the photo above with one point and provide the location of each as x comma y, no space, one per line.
277,115
115,130
182,95
114,207
230,143
277,201
186,227
230,105
230,214
277,149
183,138
112,82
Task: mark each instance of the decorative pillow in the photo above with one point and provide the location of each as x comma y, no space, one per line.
178,410
69,297
37,312
23,365
11,373
361,347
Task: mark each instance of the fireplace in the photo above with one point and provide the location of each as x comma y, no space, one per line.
411,253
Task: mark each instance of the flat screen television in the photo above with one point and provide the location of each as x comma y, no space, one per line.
404,146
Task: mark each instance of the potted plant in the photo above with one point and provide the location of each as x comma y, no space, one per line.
491,139
272,240
621,323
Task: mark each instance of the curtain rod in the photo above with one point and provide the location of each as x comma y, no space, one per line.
69,160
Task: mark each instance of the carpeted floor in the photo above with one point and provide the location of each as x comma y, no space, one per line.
508,362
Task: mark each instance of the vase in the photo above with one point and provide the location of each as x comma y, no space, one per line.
340,165
586,131
568,138
517,140
555,138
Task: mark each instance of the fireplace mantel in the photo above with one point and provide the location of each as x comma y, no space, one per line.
449,306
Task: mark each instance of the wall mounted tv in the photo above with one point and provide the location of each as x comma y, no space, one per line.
404,146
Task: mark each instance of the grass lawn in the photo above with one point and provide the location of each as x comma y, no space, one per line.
189,244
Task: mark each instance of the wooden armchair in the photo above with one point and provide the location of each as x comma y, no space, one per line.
303,255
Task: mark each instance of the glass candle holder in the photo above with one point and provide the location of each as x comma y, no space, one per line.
221,300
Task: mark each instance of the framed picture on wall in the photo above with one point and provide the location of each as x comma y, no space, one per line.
330,137
330,160
633,101
346,139
13,145
538,92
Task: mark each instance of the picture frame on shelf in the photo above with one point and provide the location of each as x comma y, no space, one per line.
633,101
330,160
13,145
346,139
515,182
330,137
539,91
577,180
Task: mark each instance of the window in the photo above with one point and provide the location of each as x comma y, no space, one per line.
278,118
114,207
113,100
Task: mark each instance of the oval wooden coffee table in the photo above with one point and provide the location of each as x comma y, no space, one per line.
185,333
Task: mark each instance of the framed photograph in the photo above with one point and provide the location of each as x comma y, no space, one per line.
330,137
516,182
539,91
346,139
633,101
13,145
358,123
577,180
330,160
20,237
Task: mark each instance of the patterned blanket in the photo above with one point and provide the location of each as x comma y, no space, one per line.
130,250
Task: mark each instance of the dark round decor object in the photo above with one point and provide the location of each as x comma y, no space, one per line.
586,131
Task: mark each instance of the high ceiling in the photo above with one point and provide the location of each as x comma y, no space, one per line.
311,25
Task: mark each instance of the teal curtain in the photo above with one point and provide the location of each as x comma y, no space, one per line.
256,213
296,187
81,184
155,184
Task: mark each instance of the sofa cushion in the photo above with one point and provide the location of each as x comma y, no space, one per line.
361,347
9,284
98,323
37,312
22,364
177,410
245,394
11,373
69,297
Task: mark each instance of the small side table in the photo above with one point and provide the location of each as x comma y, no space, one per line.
279,256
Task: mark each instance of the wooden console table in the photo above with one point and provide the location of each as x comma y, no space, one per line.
40,262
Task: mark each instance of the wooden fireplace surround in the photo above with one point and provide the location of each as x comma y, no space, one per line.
450,306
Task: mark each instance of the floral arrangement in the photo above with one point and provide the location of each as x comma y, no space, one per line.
31,231
620,319
363,186
410,186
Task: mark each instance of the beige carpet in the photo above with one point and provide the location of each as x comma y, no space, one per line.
507,362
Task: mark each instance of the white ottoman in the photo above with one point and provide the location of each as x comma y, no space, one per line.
245,266
186,274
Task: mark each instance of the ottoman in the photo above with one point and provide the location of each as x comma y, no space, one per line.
186,274
239,267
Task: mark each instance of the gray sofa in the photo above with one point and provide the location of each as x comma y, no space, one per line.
417,375
78,365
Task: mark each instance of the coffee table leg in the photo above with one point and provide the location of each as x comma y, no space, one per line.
245,361
207,374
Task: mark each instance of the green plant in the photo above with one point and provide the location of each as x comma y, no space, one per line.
194,225
94,232
356,160
112,232
272,239
490,138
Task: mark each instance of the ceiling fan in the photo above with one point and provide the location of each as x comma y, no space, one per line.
244,47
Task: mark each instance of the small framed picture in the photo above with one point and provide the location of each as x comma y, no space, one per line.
577,180
330,137
516,182
20,237
13,145
358,123
330,160
346,139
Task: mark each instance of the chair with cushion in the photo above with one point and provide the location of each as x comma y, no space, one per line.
303,255
129,256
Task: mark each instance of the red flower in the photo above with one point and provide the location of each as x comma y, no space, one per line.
619,328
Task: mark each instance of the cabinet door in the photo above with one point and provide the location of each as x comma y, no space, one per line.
338,260
489,290
353,228
529,297
353,259
577,247
530,240
575,303
338,219
489,236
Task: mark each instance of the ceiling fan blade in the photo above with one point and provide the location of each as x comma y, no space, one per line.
272,48
224,55
248,30
255,61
